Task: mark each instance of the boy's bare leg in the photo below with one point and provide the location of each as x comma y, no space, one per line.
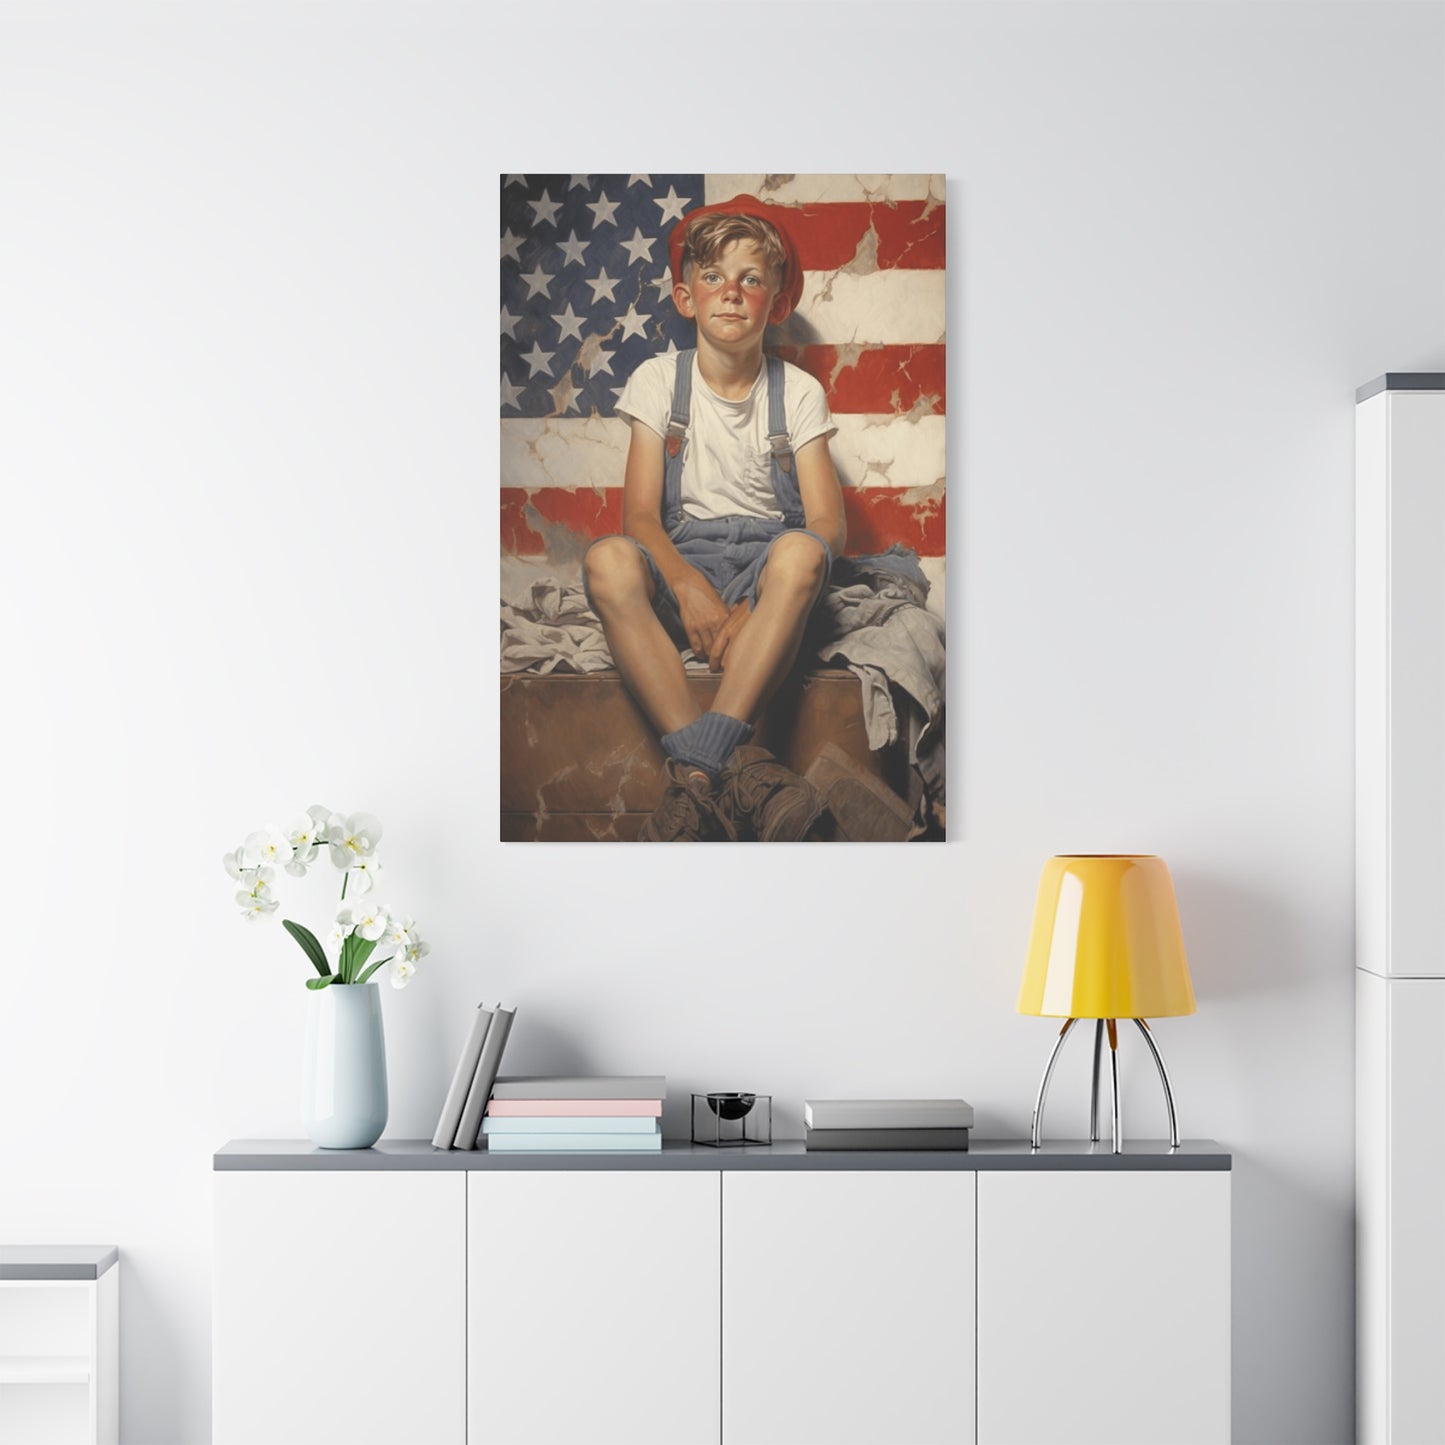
759,659
621,588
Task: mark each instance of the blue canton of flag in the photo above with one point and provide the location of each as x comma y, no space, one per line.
586,289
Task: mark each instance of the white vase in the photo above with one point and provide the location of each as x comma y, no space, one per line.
343,1100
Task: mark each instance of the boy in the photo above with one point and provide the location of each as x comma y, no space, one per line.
732,515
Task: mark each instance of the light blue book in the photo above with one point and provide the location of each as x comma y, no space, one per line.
575,1143
570,1124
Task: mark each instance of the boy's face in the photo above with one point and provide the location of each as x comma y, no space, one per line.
732,298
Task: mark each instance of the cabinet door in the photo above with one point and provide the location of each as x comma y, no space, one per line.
592,1308
339,1308
848,1308
1103,1307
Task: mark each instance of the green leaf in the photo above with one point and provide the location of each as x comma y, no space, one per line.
374,967
319,982
309,945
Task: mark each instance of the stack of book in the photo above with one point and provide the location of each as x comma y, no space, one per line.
587,1112
460,1125
886,1123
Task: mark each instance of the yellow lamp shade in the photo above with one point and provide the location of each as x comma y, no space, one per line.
1106,942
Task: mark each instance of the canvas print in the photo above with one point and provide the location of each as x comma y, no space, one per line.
722,508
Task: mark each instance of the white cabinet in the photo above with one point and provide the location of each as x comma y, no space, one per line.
1103,1308
1400,681
592,1307
339,1308
1400,909
847,1310
706,1297
59,1347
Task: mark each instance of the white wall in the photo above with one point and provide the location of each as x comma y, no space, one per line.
247,431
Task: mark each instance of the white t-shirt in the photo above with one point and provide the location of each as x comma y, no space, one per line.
727,465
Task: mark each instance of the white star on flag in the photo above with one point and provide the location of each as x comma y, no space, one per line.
509,323
539,360
632,324
570,322
514,181
537,281
549,206
672,204
633,180
564,395
663,284
639,248
510,393
604,285
603,211
583,181
511,245
572,249
602,361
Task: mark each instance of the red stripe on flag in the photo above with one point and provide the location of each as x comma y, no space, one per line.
876,379
909,234
877,517
880,516
530,517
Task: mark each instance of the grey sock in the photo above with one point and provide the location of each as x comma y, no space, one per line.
707,743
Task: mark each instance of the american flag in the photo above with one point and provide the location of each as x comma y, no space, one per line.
587,295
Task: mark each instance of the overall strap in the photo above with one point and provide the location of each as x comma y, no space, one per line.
672,512
785,480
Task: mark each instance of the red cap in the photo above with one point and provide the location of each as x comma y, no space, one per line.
792,291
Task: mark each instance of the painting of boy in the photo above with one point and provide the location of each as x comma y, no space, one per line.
730,553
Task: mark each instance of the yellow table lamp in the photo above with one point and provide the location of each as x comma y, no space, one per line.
1106,945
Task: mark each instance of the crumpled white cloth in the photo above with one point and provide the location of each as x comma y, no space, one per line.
551,626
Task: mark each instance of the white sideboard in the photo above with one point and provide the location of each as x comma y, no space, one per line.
60,1345
755,1296
1400,908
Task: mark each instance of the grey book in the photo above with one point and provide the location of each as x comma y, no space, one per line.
885,1138
451,1115
488,1062
888,1113
583,1086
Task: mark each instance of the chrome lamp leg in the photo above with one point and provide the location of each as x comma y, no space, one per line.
1044,1082
1114,1078
1163,1079
1094,1092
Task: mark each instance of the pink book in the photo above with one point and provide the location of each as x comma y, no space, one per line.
593,1108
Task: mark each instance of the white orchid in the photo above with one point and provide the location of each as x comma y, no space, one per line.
372,923
363,874
255,906
269,847
352,838
235,864
360,928
303,835
342,928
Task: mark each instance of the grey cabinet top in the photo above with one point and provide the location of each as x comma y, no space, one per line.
56,1261
1402,381
1151,1154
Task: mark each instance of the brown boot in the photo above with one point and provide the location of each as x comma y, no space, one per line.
863,807
758,797
688,811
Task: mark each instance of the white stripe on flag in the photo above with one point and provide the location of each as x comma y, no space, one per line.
868,451
882,307
820,188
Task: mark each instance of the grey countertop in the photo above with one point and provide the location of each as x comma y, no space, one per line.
56,1261
291,1154
1401,381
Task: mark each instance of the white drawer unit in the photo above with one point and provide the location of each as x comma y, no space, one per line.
752,1296
1400,908
59,1345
